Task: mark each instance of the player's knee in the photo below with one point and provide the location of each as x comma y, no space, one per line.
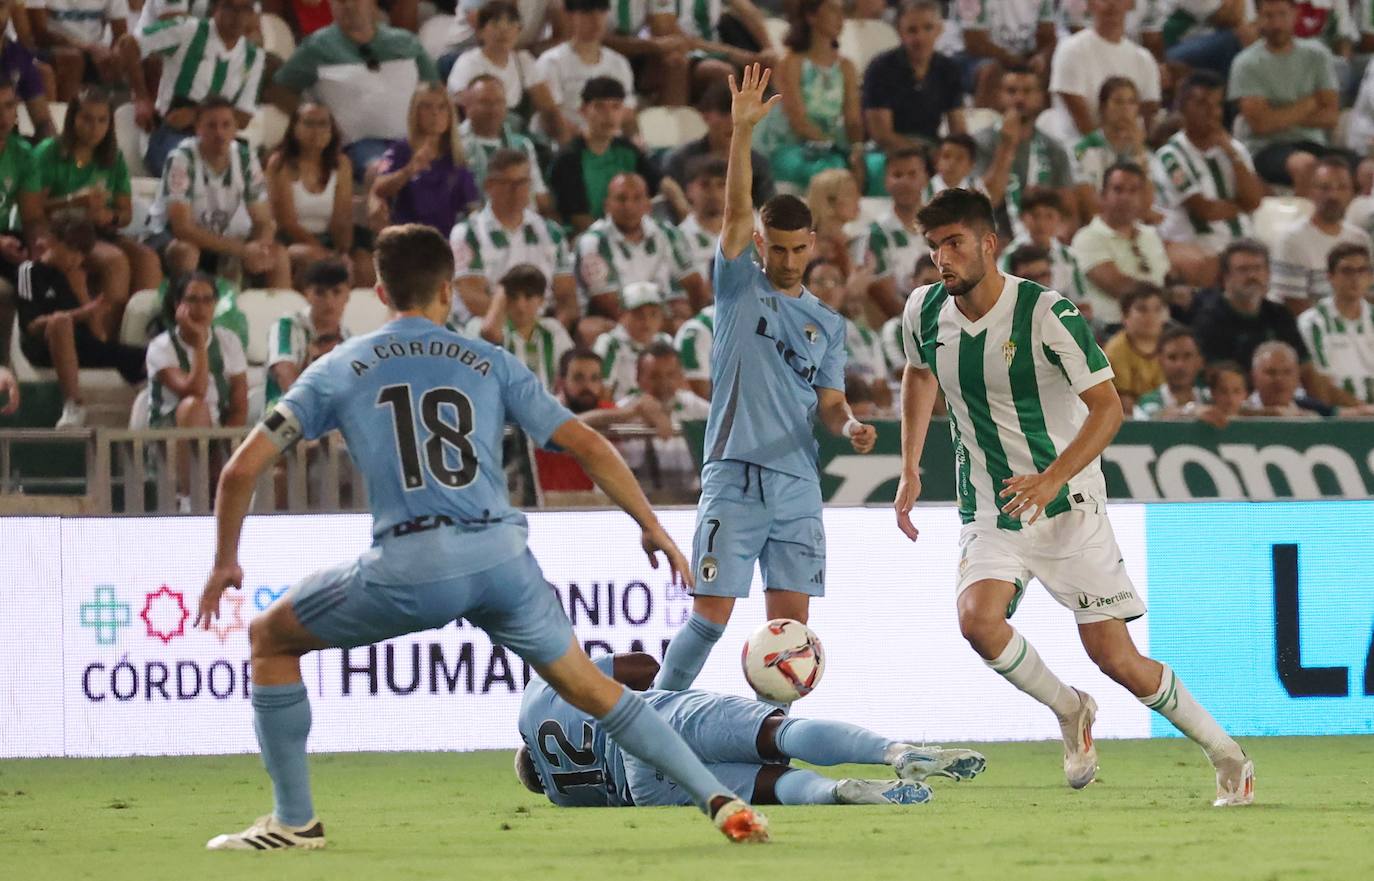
978,623
193,412
59,324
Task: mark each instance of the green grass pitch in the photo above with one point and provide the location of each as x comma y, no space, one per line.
463,816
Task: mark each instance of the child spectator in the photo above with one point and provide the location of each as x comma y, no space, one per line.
863,348
1042,218
297,341
1179,396
310,188
954,163
498,28
834,200
583,170
197,374
1228,388
1134,350
82,170
895,241
640,326
63,327
514,322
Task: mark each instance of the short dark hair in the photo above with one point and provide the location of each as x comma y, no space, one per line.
1109,87
1241,246
1204,80
176,292
716,99
580,353
1342,251
705,168
1019,69
960,139
1123,166
786,214
1176,331
957,205
74,230
326,273
602,88
525,280
1026,254
1139,293
1041,197
1217,368
910,6
497,10
505,159
1336,161
911,151
658,349
413,260
586,5
212,103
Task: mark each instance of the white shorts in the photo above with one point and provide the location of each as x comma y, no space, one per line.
1074,555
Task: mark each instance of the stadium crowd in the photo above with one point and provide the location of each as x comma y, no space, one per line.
1195,175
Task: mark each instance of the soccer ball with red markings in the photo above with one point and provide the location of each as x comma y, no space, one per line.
783,660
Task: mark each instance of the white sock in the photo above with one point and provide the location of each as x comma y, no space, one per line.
1020,665
1175,703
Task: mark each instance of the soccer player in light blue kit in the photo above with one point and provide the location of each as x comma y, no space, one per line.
777,361
747,744
423,411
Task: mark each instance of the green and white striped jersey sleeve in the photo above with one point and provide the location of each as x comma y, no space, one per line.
680,254
920,323
1070,345
286,342
596,270
165,37
467,251
693,345
562,253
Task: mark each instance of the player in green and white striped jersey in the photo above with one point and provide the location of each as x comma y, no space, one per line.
201,57
1031,408
1339,329
295,341
693,341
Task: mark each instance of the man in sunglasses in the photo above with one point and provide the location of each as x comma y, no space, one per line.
1117,251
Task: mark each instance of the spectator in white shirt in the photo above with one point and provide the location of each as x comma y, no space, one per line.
1084,61
498,27
999,34
567,67
74,30
1300,276
1116,250
1339,330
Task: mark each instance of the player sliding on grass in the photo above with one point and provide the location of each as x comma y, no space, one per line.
747,744
423,411
777,363
1031,408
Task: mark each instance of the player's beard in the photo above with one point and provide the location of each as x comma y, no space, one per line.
963,284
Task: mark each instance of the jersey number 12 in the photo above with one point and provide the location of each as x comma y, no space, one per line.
442,435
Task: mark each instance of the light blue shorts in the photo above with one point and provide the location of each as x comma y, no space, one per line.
749,513
723,731
511,601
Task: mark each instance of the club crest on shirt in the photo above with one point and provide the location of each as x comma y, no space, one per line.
1009,351
812,333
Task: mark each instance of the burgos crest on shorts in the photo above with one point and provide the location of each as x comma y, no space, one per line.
1009,351
812,332
709,569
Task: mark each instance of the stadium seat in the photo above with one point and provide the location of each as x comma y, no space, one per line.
365,312
277,38
140,310
132,140
138,413
262,307
667,127
267,128
777,30
861,39
107,396
1276,214
57,110
436,35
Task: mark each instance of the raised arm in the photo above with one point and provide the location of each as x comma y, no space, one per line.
747,108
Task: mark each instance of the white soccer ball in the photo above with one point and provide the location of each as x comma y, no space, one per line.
783,660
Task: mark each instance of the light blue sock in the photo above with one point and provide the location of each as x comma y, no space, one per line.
644,734
802,787
281,718
821,742
687,653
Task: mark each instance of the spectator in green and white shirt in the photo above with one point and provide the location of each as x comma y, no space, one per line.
505,234
1339,329
1120,139
197,373
74,33
200,57
647,33
1042,217
693,342
486,130
894,242
628,245
701,228
1179,396
364,72
514,322
295,342
641,325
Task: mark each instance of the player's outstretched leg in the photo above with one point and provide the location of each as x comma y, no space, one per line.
823,742
281,719
1110,646
644,734
801,787
692,645
983,620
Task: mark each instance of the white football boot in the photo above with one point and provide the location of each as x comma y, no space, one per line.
882,792
1080,753
1235,782
916,763
269,833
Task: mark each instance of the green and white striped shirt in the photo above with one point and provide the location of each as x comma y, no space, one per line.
198,65
895,248
288,341
1342,348
864,352
629,17
1066,276
620,360
483,248
701,245
541,352
607,260
693,344
700,18
1011,380
219,200
478,151
1181,171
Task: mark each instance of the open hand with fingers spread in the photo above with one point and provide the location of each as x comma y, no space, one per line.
747,106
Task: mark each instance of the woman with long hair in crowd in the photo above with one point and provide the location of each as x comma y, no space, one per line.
310,185
424,178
